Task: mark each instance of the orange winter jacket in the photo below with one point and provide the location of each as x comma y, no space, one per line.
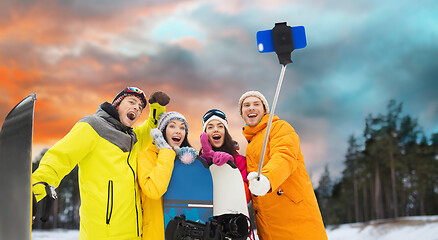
289,210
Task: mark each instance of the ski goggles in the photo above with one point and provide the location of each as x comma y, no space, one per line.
135,90
130,91
213,112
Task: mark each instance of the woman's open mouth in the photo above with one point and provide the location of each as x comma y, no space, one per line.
216,137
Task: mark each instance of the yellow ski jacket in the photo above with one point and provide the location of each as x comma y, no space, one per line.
106,152
154,172
290,209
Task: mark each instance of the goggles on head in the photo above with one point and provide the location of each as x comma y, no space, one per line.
137,91
213,112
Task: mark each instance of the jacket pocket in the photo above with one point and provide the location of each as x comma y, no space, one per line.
109,202
295,197
292,190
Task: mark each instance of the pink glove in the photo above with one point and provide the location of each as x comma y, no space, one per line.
219,158
207,150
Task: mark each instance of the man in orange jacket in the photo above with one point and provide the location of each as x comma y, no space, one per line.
284,202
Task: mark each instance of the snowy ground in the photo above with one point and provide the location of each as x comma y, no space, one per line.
55,234
408,228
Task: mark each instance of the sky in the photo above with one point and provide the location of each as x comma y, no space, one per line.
360,54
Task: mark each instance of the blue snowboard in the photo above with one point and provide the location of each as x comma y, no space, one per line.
190,192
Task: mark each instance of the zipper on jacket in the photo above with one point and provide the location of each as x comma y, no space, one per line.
109,203
135,190
155,116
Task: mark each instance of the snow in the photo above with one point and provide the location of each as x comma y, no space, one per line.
55,234
406,228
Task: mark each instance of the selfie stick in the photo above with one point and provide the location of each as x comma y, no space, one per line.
271,116
283,45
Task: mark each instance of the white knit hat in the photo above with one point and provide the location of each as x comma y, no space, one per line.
256,94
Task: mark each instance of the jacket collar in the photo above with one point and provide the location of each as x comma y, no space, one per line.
108,112
250,132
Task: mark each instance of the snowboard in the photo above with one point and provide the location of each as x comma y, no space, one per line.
228,190
190,192
229,198
15,171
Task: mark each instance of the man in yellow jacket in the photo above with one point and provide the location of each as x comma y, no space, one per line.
105,147
284,202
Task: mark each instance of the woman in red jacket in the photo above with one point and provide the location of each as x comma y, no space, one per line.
215,127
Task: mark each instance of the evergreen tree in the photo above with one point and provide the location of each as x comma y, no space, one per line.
324,191
394,173
352,163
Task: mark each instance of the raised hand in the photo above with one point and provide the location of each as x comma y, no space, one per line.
207,150
157,137
160,97
218,158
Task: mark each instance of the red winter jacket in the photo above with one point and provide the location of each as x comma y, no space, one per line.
241,165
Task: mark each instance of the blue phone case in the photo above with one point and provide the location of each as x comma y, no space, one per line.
265,44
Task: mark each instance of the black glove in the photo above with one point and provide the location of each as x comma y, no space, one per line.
47,202
162,98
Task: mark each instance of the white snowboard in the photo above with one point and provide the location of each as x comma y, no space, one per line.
228,191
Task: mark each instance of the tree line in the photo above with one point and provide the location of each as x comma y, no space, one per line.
64,212
390,171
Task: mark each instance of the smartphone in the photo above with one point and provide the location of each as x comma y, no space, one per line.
265,43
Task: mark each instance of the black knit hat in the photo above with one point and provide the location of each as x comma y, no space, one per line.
130,91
